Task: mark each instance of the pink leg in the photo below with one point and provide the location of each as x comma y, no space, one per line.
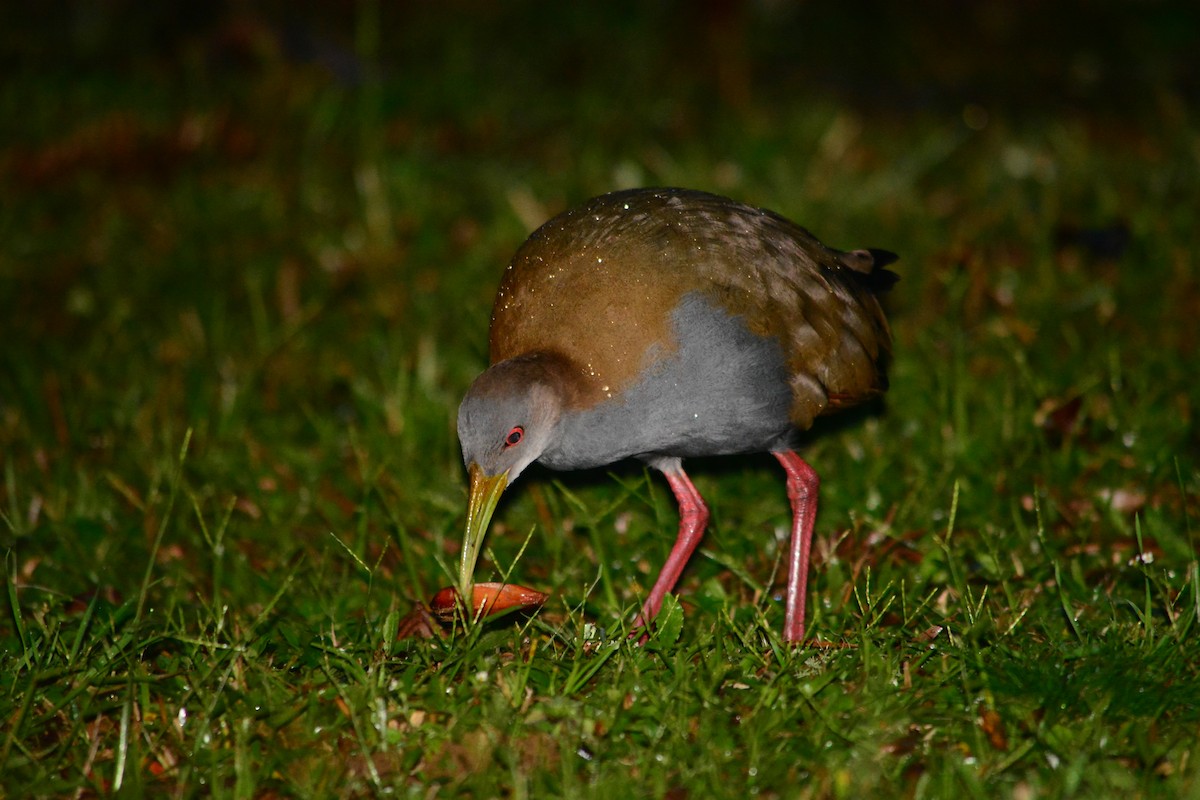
693,516
802,486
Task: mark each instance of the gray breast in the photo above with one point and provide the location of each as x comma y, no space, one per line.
719,390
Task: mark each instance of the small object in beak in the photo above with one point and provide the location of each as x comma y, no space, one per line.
487,599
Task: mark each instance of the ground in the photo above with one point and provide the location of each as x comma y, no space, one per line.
247,258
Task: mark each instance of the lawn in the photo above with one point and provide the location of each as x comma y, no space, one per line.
247,259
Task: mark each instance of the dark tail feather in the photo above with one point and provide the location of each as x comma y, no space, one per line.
869,265
882,257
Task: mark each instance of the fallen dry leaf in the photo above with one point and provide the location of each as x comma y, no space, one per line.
993,726
419,624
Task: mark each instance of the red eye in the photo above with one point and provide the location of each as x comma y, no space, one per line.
514,436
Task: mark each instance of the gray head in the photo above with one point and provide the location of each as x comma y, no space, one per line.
510,414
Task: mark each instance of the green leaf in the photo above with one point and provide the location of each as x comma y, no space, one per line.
669,623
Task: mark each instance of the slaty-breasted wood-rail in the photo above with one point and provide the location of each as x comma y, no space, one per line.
660,324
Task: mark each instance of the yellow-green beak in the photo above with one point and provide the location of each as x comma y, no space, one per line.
485,493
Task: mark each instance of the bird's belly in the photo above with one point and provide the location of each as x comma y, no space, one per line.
716,389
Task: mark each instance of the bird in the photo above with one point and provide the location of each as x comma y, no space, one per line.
661,324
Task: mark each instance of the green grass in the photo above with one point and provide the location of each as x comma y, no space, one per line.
240,300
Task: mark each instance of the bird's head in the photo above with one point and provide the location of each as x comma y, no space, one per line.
508,418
